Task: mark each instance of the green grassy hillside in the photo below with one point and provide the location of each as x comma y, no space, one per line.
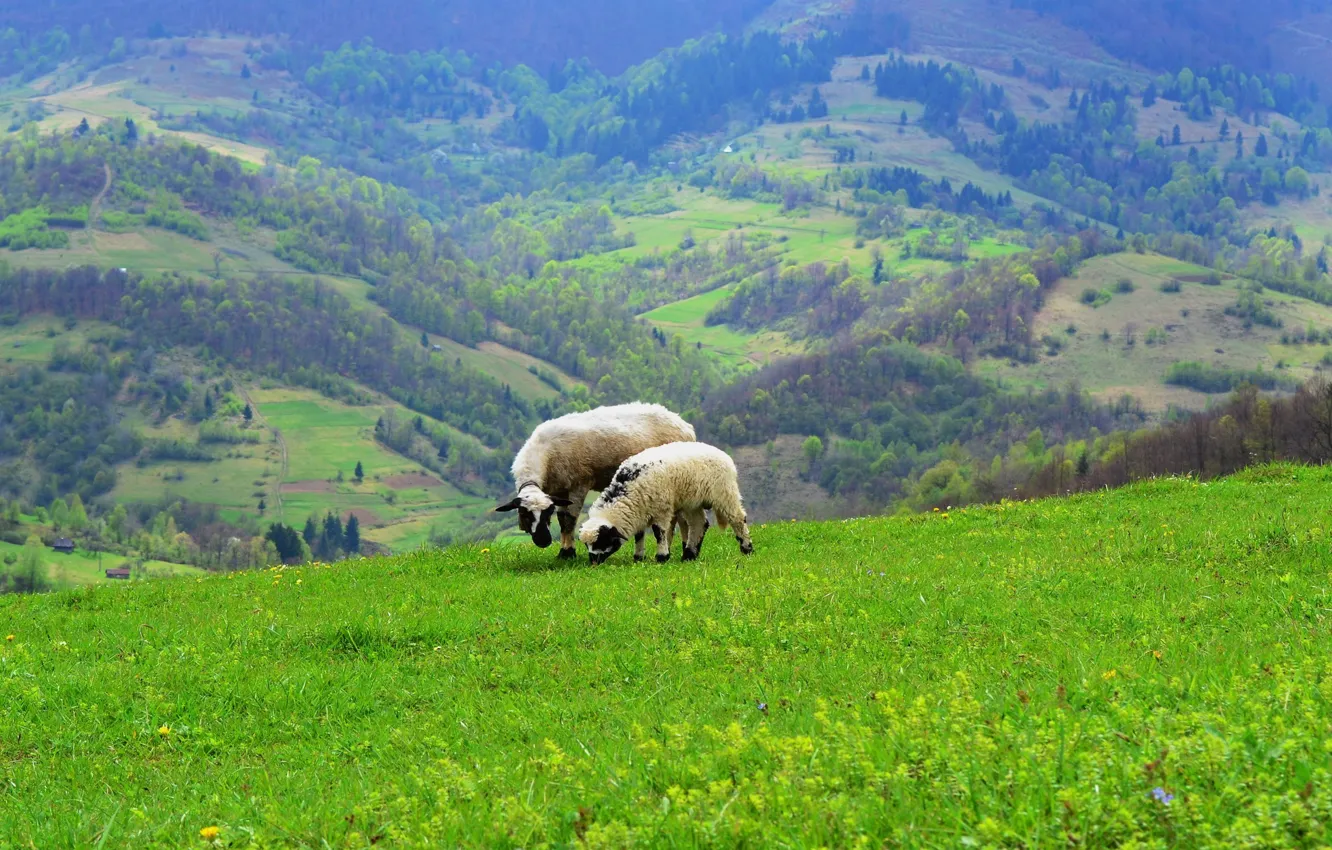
1186,321
1145,667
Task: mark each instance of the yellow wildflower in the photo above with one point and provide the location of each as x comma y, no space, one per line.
1109,674
9,637
208,833
485,551
164,730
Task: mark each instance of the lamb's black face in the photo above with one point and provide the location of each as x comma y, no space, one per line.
608,542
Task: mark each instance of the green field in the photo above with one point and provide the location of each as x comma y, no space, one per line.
507,366
324,437
1193,320
149,249
32,341
83,567
735,348
321,438
1146,667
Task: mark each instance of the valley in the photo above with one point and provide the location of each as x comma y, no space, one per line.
841,205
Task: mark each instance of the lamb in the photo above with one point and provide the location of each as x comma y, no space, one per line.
663,486
569,456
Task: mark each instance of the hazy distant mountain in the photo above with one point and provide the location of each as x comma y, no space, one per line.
612,34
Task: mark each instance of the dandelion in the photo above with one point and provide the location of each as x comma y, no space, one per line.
9,638
164,730
208,833
1109,674
1162,796
485,551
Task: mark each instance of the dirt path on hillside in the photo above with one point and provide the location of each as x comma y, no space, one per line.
282,445
95,208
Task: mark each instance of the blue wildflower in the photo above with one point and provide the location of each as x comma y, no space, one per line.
1162,796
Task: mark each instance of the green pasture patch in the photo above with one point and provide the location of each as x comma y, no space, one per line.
1147,665
32,340
730,346
324,437
1188,325
505,365
83,567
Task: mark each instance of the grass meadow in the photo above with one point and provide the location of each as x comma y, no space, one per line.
1148,667
32,341
730,346
1193,321
83,567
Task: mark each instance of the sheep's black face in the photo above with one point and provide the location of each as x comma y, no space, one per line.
607,543
537,525
534,519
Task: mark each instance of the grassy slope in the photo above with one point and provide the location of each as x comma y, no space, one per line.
1023,673
84,567
1206,334
32,341
686,318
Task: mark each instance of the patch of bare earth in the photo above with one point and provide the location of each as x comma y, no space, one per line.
308,487
412,480
365,518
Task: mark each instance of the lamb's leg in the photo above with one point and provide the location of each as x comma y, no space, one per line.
682,522
664,531
639,549
694,526
569,523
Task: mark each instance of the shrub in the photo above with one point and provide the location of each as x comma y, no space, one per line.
1090,296
1171,286
1219,379
1124,286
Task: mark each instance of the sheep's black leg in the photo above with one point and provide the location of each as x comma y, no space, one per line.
568,522
638,546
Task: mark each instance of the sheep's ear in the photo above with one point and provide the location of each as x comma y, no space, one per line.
508,506
560,503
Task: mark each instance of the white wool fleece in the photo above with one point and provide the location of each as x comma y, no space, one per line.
654,485
581,451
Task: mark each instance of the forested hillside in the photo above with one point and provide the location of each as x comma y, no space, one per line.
1163,34
610,34
310,296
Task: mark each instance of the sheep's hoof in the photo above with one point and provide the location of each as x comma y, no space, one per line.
661,559
567,554
638,558
690,556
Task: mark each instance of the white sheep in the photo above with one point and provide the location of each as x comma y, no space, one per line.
663,486
565,458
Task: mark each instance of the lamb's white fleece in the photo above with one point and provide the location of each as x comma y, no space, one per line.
664,484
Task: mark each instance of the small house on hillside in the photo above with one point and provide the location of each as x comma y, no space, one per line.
63,545
119,572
